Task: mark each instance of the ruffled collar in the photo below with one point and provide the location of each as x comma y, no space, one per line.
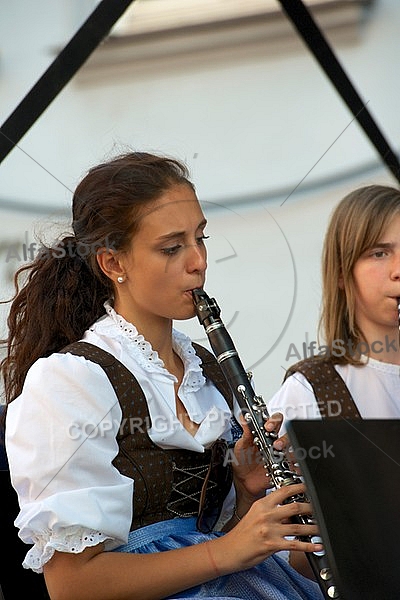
114,325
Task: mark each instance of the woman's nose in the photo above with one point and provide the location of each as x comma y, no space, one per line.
196,258
395,270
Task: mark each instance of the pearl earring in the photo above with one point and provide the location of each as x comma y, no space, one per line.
120,279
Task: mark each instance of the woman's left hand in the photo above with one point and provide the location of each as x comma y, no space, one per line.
250,475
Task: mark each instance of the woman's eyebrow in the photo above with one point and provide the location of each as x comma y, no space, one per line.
383,245
179,234
202,224
171,235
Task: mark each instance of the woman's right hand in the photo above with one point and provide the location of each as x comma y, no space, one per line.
264,530
94,573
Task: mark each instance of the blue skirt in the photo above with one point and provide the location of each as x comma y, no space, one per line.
273,579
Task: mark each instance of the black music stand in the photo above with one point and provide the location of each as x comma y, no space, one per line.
352,473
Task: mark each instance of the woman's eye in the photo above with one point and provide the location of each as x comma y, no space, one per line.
202,238
379,253
172,250
175,249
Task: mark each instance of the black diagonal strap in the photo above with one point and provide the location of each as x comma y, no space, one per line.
316,42
332,395
61,70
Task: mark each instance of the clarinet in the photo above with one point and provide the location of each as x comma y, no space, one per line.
256,414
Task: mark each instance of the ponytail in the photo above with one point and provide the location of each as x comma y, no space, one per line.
60,299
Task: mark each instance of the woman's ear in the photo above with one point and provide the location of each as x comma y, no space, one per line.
341,282
110,263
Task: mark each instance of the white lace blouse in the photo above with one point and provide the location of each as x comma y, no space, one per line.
61,438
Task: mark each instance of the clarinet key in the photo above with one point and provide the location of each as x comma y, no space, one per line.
315,539
325,574
332,592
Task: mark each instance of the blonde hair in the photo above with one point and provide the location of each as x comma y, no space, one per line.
356,224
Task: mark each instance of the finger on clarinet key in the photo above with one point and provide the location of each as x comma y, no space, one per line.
281,443
274,422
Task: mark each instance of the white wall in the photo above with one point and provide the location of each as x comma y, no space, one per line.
251,127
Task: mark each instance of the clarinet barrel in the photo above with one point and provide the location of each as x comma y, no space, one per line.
256,414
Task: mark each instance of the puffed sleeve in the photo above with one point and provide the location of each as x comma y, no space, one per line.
295,400
61,441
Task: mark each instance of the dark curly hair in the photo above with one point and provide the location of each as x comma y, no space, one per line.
64,289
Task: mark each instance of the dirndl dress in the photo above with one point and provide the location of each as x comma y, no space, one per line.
273,579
